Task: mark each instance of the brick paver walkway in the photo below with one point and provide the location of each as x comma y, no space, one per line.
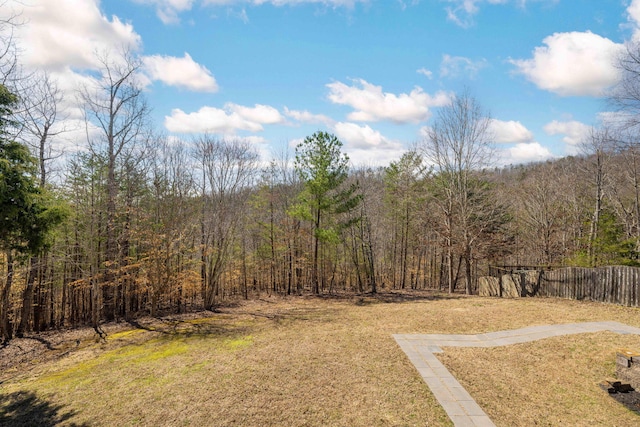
455,400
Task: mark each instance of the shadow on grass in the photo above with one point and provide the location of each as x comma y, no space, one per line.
209,324
25,408
630,400
41,341
202,327
392,297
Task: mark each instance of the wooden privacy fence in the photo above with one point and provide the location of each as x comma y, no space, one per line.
612,284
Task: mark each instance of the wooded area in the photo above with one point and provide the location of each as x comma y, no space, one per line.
135,223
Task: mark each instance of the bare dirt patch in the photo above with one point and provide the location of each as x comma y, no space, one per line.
323,361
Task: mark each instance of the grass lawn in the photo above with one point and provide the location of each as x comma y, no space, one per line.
325,361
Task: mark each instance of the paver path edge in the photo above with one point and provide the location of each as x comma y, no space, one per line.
456,401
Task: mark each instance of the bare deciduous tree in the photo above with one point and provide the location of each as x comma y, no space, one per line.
40,111
228,170
9,65
625,95
458,145
598,149
116,115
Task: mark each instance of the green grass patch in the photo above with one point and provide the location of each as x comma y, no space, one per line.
87,372
150,353
238,343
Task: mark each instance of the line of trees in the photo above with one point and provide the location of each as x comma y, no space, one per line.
136,223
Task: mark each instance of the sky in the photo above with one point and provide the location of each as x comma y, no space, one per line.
372,72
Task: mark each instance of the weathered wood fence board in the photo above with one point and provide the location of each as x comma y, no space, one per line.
611,284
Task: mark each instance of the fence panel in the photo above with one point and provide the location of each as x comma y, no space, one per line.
611,284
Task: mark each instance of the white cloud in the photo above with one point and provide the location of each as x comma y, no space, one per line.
617,119
633,17
208,119
67,33
525,153
168,10
307,117
425,72
456,66
634,12
293,143
264,114
363,145
462,11
575,133
372,158
574,63
330,3
525,150
225,121
363,137
366,146
182,72
251,139
423,132
66,38
371,104
509,132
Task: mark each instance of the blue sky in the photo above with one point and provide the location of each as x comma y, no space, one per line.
371,72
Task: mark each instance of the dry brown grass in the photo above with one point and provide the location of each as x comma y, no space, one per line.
329,361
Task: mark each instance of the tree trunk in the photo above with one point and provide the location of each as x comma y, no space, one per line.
316,261
467,262
5,323
27,297
595,220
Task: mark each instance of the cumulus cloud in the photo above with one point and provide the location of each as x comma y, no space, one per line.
67,38
181,72
363,137
224,121
264,114
67,33
633,11
371,104
372,158
575,133
363,145
307,117
366,146
525,153
509,132
456,66
251,139
575,63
